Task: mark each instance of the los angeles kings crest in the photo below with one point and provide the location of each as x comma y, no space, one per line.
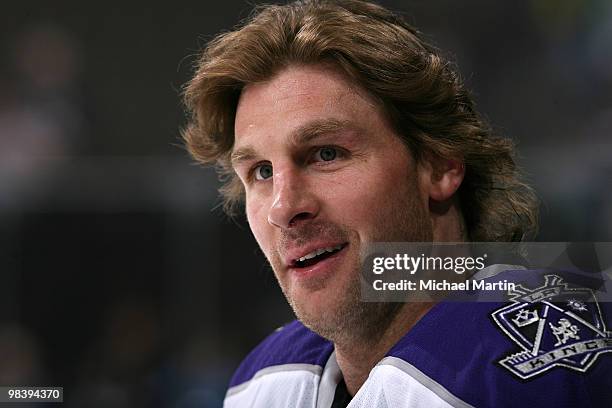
554,325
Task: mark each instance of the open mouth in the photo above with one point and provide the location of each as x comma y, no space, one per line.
317,256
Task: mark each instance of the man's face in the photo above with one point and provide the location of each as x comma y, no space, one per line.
324,175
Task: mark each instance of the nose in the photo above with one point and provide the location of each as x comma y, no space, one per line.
293,201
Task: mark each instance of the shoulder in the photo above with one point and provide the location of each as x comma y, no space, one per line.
291,346
283,370
550,343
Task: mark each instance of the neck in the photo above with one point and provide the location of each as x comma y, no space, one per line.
447,222
356,358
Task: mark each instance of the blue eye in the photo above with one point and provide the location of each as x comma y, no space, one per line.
263,171
327,153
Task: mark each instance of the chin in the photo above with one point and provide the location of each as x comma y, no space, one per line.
309,305
322,322
327,311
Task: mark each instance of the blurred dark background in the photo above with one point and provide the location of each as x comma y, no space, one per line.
123,282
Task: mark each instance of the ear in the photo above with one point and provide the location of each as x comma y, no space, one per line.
441,178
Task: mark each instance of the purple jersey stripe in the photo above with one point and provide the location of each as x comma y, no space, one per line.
292,344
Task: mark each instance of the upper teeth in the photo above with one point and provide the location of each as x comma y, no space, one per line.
318,252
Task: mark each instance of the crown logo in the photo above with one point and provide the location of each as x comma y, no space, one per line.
525,317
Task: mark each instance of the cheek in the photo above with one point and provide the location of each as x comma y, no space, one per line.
352,202
375,198
258,222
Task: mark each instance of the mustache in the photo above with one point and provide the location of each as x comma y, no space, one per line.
311,231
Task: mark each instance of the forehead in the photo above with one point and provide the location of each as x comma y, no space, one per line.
298,95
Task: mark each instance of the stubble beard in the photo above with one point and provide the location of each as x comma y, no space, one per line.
349,320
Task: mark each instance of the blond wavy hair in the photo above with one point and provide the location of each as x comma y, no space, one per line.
420,91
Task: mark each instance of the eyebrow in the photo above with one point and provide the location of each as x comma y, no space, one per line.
306,133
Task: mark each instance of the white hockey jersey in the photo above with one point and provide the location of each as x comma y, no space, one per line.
547,347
